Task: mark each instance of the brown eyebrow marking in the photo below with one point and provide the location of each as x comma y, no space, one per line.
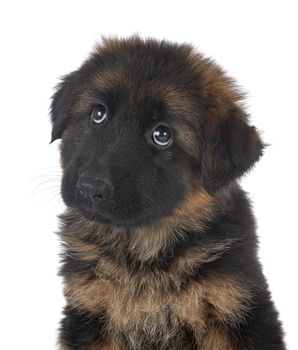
183,113
187,138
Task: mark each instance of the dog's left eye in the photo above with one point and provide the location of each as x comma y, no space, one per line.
162,135
99,114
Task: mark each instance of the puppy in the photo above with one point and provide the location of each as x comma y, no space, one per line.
160,250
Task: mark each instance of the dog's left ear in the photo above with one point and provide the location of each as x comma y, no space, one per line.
231,147
60,107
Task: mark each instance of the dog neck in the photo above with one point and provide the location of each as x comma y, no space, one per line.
185,234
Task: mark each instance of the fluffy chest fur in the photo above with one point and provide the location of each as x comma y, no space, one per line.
147,306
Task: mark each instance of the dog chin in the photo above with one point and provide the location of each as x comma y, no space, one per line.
110,220
95,217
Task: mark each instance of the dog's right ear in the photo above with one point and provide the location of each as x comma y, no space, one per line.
59,111
231,148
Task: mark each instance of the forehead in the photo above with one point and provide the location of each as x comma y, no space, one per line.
147,81
151,83
138,69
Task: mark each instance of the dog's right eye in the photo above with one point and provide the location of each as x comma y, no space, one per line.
99,114
162,136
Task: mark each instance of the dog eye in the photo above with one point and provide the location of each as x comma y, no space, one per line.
99,114
162,135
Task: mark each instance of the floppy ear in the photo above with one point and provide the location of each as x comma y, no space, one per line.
231,147
59,110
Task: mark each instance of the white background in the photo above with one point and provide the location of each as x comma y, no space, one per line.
255,41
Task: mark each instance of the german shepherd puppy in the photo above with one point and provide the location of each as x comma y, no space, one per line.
160,250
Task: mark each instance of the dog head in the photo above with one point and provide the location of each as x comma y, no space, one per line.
145,126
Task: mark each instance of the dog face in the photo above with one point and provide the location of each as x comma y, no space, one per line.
145,125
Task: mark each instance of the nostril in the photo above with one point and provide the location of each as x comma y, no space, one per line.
93,188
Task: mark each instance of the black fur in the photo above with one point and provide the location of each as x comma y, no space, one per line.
80,328
232,158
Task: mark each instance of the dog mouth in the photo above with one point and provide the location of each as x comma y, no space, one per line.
96,216
108,218
107,211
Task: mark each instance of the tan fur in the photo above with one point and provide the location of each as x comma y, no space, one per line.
108,78
82,249
218,90
219,298
109,345
198,256
216,339
193,213
132,308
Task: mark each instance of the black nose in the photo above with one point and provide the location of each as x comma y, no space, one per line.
95,189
